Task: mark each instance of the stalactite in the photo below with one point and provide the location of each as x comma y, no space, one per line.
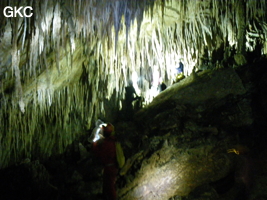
128,20
60,34
15,67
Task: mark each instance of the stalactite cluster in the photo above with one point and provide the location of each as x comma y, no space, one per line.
59,66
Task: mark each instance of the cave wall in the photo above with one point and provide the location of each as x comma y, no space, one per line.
61,68
185,134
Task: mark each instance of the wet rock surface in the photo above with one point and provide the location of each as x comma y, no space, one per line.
176,148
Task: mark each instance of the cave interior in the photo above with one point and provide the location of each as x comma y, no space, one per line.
64,64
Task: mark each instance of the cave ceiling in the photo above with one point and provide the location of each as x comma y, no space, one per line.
70,56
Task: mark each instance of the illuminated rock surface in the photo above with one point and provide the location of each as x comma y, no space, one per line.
183,159
69,65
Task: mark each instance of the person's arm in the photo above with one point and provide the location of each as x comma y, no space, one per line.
94,146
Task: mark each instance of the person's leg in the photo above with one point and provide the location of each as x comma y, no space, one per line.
109,183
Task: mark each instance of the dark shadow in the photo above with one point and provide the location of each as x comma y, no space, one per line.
131,103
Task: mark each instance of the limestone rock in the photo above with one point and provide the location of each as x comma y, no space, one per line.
172,171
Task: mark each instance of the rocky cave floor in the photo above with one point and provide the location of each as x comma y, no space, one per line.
221,124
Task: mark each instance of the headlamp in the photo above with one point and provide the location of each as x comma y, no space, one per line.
98,131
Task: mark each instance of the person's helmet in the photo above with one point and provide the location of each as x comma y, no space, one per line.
130,83
108,130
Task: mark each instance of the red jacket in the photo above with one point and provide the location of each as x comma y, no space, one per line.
105,150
